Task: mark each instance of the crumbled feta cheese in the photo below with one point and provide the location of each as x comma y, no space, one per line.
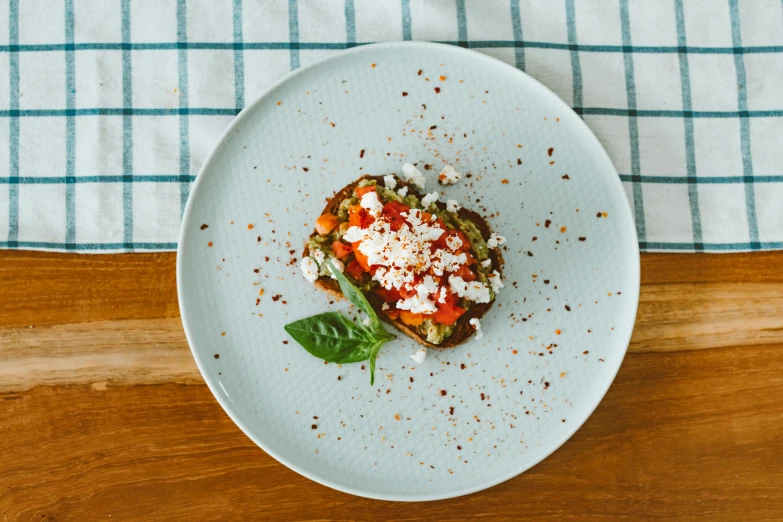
309,269
427,287
495,240
442,298
449,175
452,205
495,282
429,199
477,292
413,176
371,202
338,265
318,256
419,356
353,234
385,306
366,322
453,242
458,285
486,263
402,192
477,325
417,305
390,181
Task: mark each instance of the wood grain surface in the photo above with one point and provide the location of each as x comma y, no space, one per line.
104,416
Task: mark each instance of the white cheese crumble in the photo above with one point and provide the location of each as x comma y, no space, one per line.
366,322
309,269
495,240
385,306
443,292
390,181
371,202
477,325
452,205
402,192
319,256
495,282
417,305
429,199
419,356
453,242
472,291
413,176
338,265
449,175
486,263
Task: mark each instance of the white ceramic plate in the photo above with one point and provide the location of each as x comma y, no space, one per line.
540,368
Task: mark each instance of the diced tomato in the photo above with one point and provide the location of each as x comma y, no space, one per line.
341,249
326,223
359,217
393,213
465,273
470,259
465,243
447,314
389,296
355,270
360,257
450,299
393,313
361,191
410,318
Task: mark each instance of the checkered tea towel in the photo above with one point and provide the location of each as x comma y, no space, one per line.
108,108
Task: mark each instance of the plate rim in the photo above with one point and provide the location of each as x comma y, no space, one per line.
212,385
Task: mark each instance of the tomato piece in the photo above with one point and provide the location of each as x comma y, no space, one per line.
389,296
326,223
359,217
360,257
409,318
355,270
447,314
361,191
465,273
340,249
393,212
465,243
392,313
470,259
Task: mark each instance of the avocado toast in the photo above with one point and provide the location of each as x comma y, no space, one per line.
429,268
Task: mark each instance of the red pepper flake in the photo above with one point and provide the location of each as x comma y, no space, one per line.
388,391
276,297
204,226
514,352
411,378
209,244
562,230
258,240
314,426
585,352
565,176
404,93
258,301
217,356
568,308
285,342
550,151
396,416
427,166
443,393
519,161
419,73
278,104
222,334
305,169
557,332
372,65
250,226
462,366
582,239
482,397
546,385
442,78
339,378
605,214
361,154
552,162
547,223
504,181
437,90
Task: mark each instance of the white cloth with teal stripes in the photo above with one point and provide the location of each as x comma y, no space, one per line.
109,107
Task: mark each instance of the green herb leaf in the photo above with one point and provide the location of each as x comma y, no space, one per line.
356,296
333,338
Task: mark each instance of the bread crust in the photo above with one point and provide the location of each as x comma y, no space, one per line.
462,329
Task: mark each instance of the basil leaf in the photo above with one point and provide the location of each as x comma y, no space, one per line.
373,354
356,296
332,337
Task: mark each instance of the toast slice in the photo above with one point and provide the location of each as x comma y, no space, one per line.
462,330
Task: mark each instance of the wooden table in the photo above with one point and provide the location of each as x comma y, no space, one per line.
103,414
